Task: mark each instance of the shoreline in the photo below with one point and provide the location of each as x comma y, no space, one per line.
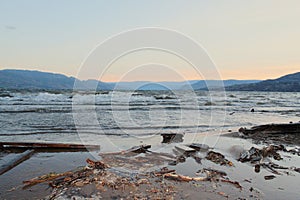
283,186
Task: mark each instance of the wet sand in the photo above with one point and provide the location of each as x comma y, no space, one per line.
254,186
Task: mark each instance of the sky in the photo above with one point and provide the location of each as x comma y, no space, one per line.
256,39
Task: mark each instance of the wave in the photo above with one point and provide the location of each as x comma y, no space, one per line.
164,97
279,107
6,95
37,110
63,132
37,133
156,127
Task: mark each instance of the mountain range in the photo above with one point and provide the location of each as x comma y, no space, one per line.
36,80
27,79
287,83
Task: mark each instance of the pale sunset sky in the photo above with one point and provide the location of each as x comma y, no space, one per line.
258,39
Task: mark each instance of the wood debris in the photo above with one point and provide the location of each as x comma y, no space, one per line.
218,158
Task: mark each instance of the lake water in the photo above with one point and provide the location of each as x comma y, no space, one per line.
71,117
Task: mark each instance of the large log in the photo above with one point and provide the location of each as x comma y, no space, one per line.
291,128
37,145
12,160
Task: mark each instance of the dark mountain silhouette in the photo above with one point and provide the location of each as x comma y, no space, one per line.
26,79
205,84
36,80
287,83
148,85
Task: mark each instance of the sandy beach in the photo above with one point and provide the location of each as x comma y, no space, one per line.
253,185
149,100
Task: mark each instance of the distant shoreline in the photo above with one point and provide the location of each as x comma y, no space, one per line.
36,80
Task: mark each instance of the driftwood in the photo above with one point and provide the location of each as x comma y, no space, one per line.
218,158
97,164
182,152
164,171
57,180
36,145
130,152
178,177
45,178
17,159
291,128
185,149
199,147
139,149
31,147
235,183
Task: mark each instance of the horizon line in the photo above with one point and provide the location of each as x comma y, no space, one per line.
153,81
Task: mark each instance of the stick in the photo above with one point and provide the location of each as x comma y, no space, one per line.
44,178
235,183
183,178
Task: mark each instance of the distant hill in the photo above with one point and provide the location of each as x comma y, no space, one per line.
154,86
37,80
202,84
26,79
148,85
287,83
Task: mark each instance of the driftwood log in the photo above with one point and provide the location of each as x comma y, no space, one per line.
12,160
36,145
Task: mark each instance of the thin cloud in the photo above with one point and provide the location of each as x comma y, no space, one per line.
10,27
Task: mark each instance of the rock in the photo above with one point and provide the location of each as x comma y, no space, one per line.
172,137
270,177
297,170
252,155
257,168
272,129
79,184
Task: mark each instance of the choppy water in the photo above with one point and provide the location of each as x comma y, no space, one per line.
60,116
